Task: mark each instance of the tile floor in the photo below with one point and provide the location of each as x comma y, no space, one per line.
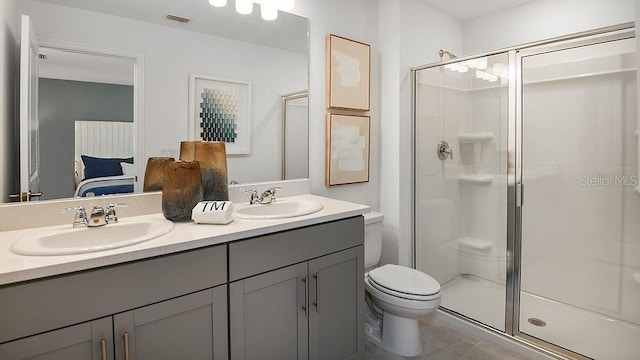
441,341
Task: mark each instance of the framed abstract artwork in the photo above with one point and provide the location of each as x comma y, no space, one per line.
348,74
347,149
220,110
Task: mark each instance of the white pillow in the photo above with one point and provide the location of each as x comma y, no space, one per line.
128,169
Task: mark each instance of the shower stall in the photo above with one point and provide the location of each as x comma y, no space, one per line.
526,197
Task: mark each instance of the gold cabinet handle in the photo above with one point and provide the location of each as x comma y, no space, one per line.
103,349
317,277
306,296
125,336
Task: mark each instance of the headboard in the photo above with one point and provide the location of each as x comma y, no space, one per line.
105,139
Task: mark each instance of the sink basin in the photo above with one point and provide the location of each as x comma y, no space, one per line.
278,210
70,241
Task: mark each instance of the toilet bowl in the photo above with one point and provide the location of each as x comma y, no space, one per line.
400,294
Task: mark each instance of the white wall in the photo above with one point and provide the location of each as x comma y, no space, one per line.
357,20
543,19
9,39
170,56
411,33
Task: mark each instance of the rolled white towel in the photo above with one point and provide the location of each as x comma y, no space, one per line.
213,212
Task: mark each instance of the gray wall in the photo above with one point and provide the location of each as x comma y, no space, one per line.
61,102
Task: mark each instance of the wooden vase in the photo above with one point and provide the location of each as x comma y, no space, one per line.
212,156
182,189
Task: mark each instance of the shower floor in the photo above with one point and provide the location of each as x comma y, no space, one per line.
576,329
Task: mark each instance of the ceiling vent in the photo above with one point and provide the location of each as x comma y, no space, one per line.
178,18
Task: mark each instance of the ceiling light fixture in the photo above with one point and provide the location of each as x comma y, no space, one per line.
244,7
218,3
268,8
268,13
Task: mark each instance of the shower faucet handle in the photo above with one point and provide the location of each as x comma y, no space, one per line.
444,150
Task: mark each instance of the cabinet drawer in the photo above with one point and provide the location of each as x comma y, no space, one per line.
51,303
260,254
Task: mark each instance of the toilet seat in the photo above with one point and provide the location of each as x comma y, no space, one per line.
404,282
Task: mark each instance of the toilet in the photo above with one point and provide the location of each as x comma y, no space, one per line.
396,294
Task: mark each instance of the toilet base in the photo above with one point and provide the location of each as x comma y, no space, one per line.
401,335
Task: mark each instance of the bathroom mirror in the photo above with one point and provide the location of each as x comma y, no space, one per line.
217,42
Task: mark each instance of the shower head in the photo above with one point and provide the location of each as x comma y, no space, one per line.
442,53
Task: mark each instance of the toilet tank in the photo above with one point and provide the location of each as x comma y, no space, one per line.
372,238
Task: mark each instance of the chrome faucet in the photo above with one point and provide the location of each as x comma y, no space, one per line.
99,216
267,197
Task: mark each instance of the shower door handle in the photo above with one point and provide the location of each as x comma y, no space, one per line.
444,150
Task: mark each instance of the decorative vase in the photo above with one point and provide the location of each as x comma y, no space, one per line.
182,189
154,173
212,156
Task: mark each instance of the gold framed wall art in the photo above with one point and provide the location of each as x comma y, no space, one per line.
347,149
348,74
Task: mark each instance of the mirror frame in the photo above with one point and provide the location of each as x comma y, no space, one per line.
285,99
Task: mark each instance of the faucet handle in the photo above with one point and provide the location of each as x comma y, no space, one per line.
111,206
271,193
110,215
81,215
78,209
255,198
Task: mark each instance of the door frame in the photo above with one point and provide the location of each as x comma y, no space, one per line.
138,90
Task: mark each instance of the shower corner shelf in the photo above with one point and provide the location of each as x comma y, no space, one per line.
475,137
475,244
476,179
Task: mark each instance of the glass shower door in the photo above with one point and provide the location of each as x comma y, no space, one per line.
461,111
580,228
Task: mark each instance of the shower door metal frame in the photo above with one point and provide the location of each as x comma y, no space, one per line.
515,192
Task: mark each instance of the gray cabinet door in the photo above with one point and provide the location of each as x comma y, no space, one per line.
91,340
191,327
269,315
336,329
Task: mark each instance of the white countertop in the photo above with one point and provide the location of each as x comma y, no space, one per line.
185,236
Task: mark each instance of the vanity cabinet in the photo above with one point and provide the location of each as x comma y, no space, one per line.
85,341
294,294
169,307
189,327
310,308
181,328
